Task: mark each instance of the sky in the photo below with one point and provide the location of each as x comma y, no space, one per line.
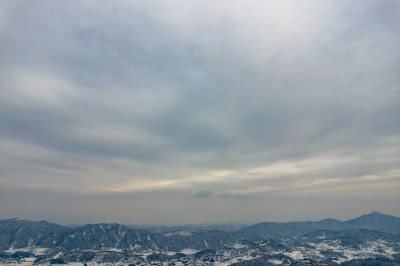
177,112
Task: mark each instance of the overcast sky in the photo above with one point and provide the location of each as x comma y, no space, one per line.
173,112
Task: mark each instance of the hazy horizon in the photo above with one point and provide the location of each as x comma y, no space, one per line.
188,112
239,225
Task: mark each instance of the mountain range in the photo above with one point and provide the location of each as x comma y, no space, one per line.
373,236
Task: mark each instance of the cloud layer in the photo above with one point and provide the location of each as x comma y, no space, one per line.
235,110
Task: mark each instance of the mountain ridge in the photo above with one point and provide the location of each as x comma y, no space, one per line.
113,242
372,221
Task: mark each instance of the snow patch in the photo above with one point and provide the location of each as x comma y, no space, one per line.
239,246
39,251
116,250
57,255
296,255
189,251
275,261
179,233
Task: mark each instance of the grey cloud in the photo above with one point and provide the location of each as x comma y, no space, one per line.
126,94
204,194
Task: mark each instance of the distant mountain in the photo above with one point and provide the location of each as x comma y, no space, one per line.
377,221
15,233
373,221
351,238
293,229
109,236
372,237
190,227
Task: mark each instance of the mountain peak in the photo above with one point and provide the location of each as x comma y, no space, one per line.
377,221
376,213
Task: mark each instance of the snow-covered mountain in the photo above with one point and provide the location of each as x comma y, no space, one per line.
373,238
